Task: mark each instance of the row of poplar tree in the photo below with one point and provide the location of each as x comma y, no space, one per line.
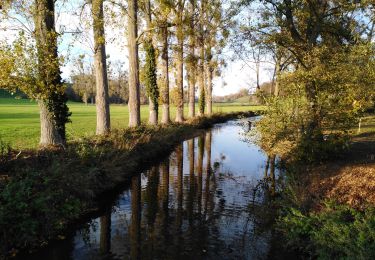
195,27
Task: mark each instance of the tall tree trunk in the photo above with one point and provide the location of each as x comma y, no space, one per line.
180,63
54,112
191,68
134,95
153,112
209,75
191,87
257,67
49,134
102,98
209,90
201,60
151,84
165,119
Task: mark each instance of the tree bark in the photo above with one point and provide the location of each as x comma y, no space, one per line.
153,106
49,134
165,119
201,60
192,63
191,82
180,64
54,112
153,113
209,91
102,97
134,95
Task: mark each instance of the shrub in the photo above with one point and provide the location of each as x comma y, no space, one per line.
336,232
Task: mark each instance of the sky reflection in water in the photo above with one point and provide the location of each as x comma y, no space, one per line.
182,209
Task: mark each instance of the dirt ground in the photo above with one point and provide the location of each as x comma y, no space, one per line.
353,184
350,179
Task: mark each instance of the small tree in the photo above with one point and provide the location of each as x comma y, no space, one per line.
37,73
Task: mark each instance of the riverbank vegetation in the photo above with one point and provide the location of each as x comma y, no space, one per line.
44,191
323,88
328,207
318,117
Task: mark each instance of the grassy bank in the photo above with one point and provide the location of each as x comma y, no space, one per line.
328,209
43,192
20,119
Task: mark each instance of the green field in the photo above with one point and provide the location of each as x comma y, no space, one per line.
19,120
243,100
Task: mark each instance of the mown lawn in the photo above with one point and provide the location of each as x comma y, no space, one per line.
19,119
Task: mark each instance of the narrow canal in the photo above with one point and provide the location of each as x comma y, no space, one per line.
210,199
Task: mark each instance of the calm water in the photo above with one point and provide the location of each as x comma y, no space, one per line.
210,199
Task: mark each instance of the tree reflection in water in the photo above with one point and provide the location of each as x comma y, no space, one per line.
191,205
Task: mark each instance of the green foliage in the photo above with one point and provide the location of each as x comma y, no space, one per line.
34,206
150,74
202,100
19,67
337,232
36,74
49,189
343,85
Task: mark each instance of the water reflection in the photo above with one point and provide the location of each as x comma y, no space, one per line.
209,199
105,234
135,226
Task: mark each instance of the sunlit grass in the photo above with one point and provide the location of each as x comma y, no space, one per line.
19,119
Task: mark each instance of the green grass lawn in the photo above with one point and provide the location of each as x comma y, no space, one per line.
19,119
